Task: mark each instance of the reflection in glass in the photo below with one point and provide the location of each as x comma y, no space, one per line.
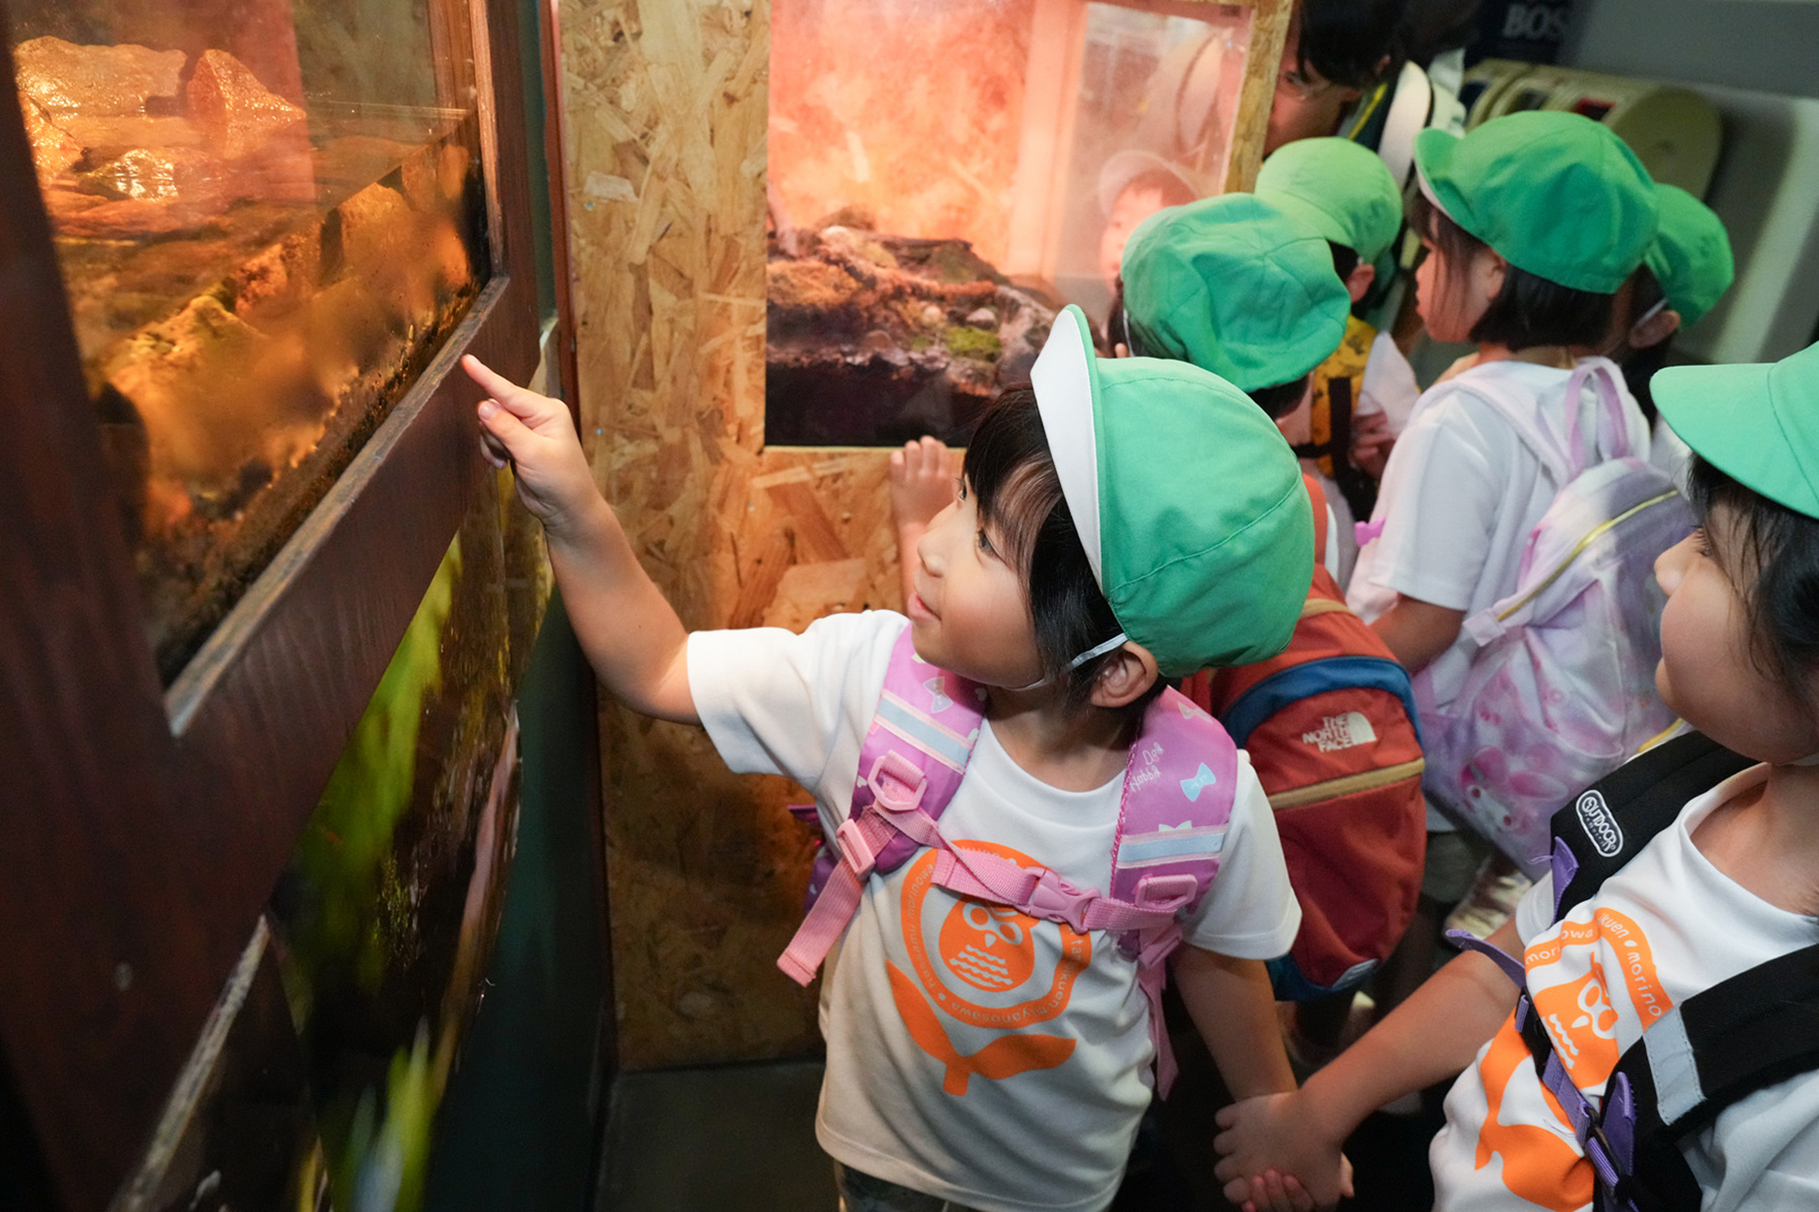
946,174
267,216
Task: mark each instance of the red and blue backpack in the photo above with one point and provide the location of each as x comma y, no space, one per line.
1177,802
1331,729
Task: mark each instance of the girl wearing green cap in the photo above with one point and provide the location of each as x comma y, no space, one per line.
1465,485
989,1052
1723,896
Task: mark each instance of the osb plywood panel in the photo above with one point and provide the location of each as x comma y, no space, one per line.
667,110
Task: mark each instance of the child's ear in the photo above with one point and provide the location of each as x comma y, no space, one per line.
1130,671
1491,269
1359,280
1656,329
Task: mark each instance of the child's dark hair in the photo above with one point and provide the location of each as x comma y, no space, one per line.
1018,494
1529,310
1776,563
1345,259
1353,43
1117,329
1280,399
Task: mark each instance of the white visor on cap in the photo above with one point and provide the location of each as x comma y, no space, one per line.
1427,191
1062,379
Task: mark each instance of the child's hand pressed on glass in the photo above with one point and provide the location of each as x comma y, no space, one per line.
923,483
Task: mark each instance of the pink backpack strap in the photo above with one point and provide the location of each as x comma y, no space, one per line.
1611,435
1178,795
911,763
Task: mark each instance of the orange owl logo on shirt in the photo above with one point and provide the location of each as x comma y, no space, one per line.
1573,996
985,969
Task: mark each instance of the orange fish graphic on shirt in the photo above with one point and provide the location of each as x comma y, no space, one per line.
984,958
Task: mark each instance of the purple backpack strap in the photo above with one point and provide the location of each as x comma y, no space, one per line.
1178,792
914,756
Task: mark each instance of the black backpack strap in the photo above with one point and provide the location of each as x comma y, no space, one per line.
1753,1031
1596,834
1359,490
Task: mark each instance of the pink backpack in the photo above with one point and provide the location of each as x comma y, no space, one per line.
1561,690
1178,789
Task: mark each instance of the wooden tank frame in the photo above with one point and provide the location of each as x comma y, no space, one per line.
668,106
145,828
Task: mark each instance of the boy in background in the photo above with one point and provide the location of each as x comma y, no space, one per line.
1364,392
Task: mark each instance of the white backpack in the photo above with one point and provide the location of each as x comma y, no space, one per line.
1561,690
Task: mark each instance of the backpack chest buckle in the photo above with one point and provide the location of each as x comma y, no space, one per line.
1053,898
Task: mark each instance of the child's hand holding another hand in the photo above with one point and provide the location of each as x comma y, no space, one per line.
536,435
1371,442
1273,1155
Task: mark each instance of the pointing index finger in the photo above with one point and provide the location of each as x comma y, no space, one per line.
491,381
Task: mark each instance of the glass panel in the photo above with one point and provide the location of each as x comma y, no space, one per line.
385,919
268,214
928,220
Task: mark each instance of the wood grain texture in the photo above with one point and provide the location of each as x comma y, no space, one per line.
105,966
706,869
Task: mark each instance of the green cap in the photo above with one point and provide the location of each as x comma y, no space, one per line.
1186,498
1691,255
1555,194
1236,287
1340,190
1758,424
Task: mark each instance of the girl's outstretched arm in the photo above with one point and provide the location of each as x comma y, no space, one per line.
1430,1037
631,635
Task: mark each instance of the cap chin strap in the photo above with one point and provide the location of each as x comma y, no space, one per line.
1089,654
1102,649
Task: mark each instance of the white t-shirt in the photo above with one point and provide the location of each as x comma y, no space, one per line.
973,1053
1389,385
1666,926
1460,496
